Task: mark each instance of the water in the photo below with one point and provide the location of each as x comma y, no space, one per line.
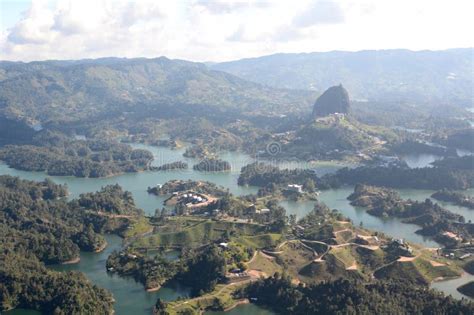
137,183
21,311
449,287
337,199
131,298
423,194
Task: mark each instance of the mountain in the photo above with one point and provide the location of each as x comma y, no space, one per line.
333,100
84,89
388,75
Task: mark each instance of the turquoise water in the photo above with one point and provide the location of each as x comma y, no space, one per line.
131,298
337,199
449,286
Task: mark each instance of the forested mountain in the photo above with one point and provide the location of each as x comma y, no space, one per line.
378,75
75,90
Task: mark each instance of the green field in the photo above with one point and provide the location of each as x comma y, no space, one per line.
194,233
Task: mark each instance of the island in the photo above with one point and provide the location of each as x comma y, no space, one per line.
178,165
57,154
212,165
444,226
455,197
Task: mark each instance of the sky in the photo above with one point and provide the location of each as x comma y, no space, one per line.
204,30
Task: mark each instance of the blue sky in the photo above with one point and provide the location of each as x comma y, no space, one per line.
11,12
213,30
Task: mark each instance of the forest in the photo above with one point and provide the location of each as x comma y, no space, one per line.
39,226
57,154
26,283
434,220
454,197
201,269
352,297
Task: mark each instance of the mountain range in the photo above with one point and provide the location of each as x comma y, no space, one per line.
76,90
382,75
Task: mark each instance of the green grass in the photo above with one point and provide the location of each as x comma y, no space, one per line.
431,272
219,299
192,233
344,255
419,270
259,241
264,264
138,227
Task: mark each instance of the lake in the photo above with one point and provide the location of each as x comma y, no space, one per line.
131,298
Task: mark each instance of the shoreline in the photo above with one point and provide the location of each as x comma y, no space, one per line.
154,289
101,248
71,261
237,303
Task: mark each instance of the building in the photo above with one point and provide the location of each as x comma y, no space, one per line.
237,277
264,210
295,188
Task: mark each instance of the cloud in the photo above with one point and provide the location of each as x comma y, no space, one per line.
135,12
223,30
320,12
33,27
224,7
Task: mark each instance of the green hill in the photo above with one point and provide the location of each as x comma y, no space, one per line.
66,90
388,75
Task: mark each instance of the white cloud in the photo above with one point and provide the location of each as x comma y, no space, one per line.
226,6
223,30
320,12
34,27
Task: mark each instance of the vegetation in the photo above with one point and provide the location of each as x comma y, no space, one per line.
189,232
263,175
178,165
112,200
467,289
212,165
201,269
454,197
445,226
34,221
202,187
352,297
26,283
151,271
37,226
56,154
92,90
448,174
369,74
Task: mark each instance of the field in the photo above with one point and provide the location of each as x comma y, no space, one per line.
182,232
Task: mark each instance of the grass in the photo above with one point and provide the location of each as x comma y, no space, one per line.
264,264
260,241
294,257
344,255
194,233
420,270
219,299
138,227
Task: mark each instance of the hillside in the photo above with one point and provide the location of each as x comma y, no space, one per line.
377,75
75,90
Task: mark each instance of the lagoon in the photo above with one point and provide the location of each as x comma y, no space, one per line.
131,298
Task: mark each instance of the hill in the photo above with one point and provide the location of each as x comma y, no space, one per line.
110,87
377,75
333,100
